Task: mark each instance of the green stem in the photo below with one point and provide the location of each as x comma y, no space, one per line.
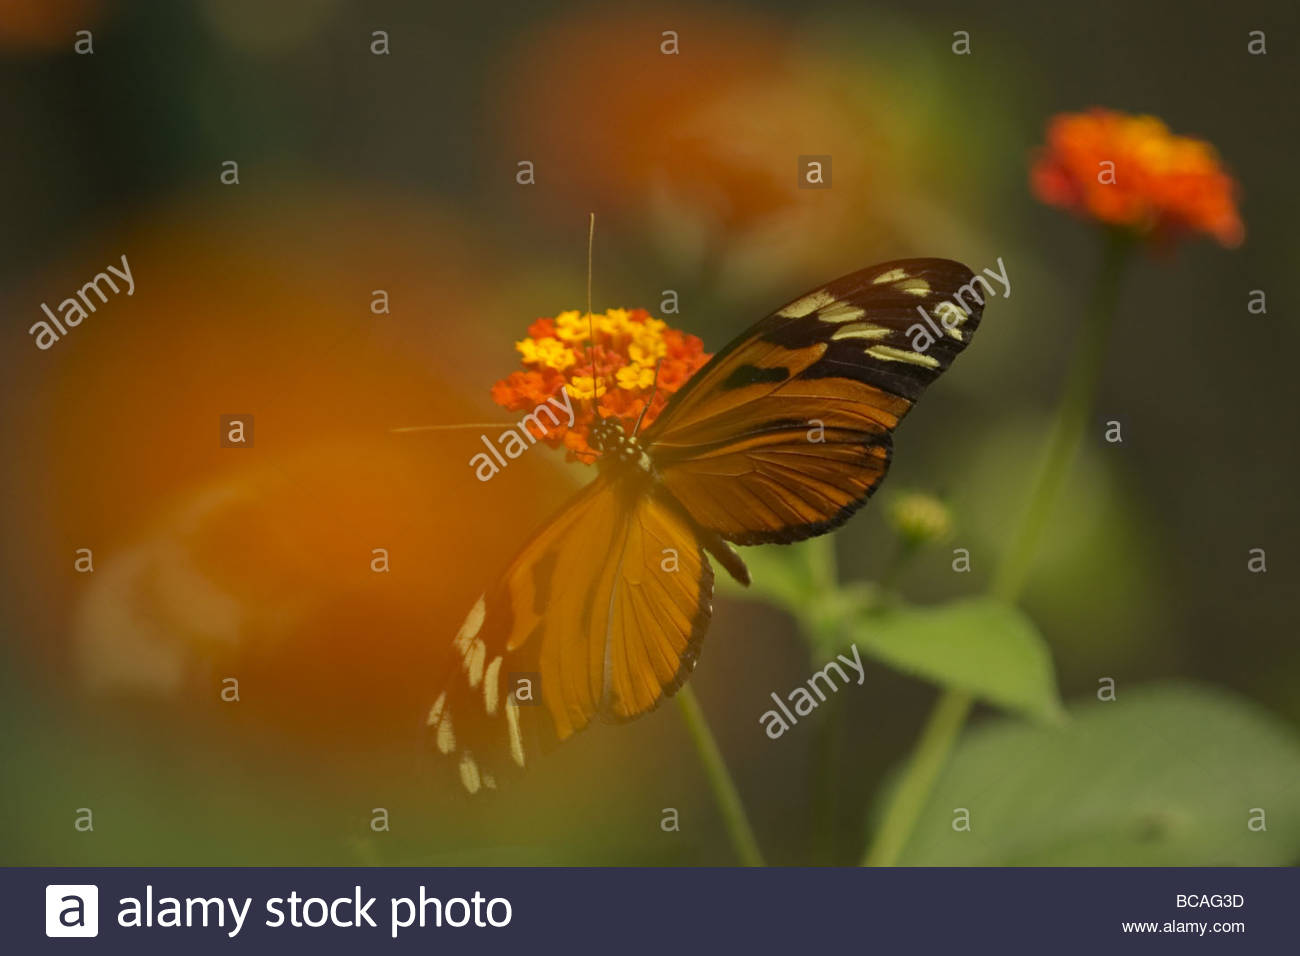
950,712
1071,419
724,788
928,758
826,763
831,726
907,548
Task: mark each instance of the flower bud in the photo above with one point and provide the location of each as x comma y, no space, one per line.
918,517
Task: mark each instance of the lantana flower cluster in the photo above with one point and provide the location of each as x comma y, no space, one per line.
1132,172
559,354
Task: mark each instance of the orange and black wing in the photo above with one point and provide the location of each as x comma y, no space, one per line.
600,615
788,430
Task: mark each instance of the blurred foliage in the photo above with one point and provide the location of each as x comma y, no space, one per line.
1164,775
1167,774
1097,587
980,645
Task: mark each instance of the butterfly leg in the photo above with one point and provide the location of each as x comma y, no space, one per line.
724,554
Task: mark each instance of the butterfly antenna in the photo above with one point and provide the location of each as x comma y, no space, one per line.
446,428
654,393
591,322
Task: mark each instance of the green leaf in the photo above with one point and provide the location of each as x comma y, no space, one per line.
981,645
1165,775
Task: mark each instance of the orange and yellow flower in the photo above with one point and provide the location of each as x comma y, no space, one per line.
1132,172
558,353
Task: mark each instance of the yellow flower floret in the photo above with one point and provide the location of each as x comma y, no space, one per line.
581,387
646,349
634,377
615,322
571,326
574,328
550,352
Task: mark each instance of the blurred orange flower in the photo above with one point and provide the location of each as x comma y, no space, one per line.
39,25
697,153
1132,172
559,353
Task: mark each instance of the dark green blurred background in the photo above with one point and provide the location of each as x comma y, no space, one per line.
359,172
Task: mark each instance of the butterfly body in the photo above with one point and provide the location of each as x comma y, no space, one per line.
781,436
619,450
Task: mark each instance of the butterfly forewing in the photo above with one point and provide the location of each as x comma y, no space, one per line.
788,430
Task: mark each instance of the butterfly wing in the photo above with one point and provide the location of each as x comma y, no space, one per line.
781,436
788,430
600,615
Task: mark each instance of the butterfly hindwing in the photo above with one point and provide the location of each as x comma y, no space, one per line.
788,430
601,614
661,601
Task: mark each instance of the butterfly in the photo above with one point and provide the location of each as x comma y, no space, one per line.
781,436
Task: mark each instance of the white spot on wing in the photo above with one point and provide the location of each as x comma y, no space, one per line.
516,738
914,287
840,312
950,318
446,736
801,307
491,686
436,710
469,774
902,355
474,662
473,624
863,331
893,275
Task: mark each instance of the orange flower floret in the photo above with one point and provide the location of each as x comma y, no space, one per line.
1132,172
559,353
